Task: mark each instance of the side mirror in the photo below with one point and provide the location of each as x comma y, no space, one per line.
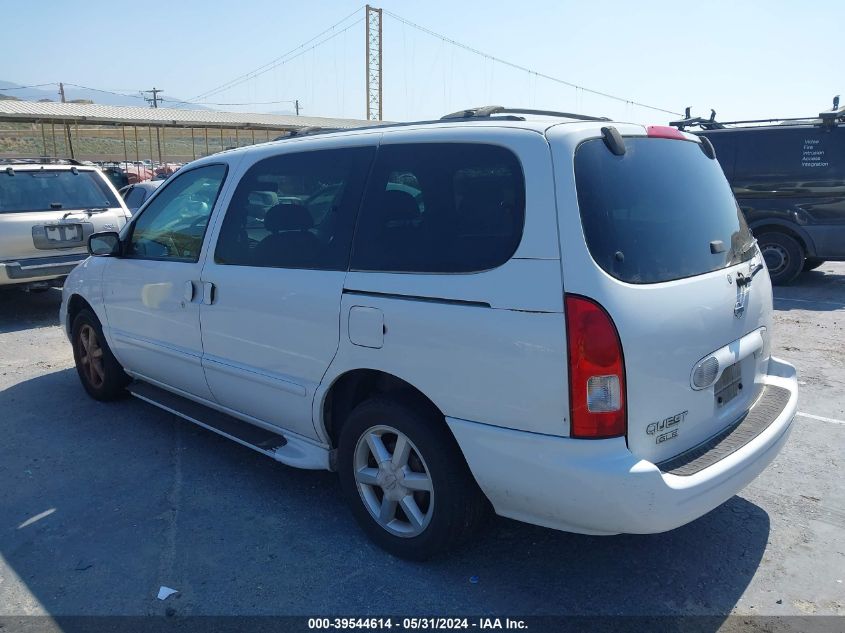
104,244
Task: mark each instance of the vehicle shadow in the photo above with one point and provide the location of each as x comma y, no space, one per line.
104,503
820,290
21,310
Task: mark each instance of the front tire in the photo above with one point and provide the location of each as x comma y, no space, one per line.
100,373
784,256
406,480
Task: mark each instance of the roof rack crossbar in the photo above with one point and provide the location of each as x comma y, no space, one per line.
38,160
486,112
825,118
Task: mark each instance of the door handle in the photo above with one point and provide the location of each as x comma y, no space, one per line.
189,291
209,293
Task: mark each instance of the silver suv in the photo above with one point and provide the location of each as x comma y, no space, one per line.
48,209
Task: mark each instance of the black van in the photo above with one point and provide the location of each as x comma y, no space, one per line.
788,176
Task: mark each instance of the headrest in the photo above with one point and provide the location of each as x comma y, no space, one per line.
288,216
263,198
399,207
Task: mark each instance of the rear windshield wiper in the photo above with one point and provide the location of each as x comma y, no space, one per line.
90,212
745,280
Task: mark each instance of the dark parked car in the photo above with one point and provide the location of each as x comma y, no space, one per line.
135,195
788,176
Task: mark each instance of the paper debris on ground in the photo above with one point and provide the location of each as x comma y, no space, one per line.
165,592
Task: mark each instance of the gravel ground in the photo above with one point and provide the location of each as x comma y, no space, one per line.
102,504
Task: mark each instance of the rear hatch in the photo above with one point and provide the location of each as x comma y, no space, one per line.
655,236
52,211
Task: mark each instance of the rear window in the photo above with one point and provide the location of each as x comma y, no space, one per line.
51,189
651,214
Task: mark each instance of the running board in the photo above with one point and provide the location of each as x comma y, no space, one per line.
293,451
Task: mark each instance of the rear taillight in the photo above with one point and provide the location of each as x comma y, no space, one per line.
596,371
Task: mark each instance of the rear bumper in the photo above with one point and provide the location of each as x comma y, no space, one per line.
38,269
599,486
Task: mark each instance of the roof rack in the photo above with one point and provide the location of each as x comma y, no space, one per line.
704,124
827,118
481,113
308,131
40,160
486,112
830,117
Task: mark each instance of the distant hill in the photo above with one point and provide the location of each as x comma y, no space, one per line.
83,95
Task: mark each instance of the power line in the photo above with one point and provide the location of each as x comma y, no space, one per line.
248,103
278,61
33,86
498,60
282,63
109,92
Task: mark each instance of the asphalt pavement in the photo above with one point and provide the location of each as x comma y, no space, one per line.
102,504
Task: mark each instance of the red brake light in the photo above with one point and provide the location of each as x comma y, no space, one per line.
665,131
596,371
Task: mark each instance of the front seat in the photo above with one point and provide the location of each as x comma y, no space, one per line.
290,243
397,232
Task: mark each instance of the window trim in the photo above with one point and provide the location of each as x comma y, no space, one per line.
146,205
484,143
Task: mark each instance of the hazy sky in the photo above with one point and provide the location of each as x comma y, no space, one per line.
745,59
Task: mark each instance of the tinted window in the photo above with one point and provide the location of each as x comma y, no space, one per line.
173,225
440,207
135,197
46,189
651,214
295,210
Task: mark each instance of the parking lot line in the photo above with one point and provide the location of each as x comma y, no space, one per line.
819,417
837,306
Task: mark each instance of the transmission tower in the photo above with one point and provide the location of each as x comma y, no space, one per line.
374,65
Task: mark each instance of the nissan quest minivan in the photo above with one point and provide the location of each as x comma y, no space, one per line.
559,317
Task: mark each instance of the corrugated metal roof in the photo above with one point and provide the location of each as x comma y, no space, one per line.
50,112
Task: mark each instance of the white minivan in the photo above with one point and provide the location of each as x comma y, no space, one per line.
556,316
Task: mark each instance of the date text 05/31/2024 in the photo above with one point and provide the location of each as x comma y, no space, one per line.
412,624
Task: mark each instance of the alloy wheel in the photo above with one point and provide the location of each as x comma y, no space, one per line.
91,356
394,481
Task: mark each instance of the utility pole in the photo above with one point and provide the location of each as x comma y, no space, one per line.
154,101
154,104
67,126
374,65
296,103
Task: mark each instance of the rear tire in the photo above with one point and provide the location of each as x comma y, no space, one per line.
100,373
418,498
811,263
784,256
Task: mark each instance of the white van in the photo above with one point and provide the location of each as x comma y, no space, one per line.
560,317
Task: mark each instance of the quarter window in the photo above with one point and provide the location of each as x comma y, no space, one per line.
440,208
173,225
295,211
